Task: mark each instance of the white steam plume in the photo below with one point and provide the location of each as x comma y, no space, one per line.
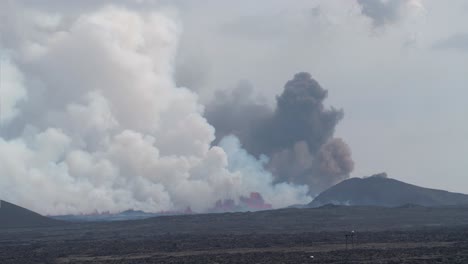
93,120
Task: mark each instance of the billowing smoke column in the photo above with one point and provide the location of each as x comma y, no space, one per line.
91,120
297,136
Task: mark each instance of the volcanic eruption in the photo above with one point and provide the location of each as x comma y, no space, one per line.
92,120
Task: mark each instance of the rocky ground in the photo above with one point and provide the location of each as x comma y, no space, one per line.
282,236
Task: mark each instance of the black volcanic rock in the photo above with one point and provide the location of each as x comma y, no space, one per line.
13,216
379,190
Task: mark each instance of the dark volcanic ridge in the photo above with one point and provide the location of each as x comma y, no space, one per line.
13,216
378,190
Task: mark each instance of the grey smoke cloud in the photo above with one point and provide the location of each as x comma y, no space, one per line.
92,119
297,135
238,112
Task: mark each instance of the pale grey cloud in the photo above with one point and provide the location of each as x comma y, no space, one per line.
456,42
383,12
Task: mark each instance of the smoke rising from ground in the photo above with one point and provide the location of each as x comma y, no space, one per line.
96,122
297,135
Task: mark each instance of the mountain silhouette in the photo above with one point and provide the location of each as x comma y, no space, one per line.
379,190
13,216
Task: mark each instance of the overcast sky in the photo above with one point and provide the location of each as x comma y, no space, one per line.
398,68
399,71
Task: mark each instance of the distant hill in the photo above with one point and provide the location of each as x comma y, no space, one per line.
13,216
379,190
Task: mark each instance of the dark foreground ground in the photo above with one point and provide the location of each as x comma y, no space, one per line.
382,235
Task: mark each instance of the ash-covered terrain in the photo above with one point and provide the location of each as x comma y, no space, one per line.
404,229
406,234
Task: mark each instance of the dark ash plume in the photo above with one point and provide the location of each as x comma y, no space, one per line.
297,136
237,112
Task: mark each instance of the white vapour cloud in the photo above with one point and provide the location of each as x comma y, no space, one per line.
12,91
95,121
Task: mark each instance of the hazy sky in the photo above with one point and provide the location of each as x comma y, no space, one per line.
398,68
400,74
